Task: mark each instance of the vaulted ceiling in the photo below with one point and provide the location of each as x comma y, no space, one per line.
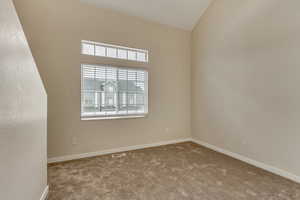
182,14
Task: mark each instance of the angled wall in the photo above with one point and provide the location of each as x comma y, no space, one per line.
23,114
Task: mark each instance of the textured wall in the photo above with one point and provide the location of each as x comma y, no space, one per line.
245,76
23,112
55,29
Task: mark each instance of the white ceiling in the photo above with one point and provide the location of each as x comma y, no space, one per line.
179,13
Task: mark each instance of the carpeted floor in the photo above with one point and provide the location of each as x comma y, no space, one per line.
183,171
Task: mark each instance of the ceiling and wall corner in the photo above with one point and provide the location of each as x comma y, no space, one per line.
177,13
245,80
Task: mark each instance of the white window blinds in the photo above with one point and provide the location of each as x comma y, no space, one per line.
113,92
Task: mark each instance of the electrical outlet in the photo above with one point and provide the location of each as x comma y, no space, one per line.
74,140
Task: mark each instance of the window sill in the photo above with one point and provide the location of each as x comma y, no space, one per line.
112,117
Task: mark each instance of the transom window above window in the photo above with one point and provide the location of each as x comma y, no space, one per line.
112,92
113,51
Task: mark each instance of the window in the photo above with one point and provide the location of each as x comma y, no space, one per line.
112,92
113,51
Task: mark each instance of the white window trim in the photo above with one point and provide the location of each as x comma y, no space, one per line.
114,117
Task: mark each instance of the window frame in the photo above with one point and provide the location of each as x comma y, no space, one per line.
117,48
118,116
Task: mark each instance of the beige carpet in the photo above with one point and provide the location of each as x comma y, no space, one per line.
174,172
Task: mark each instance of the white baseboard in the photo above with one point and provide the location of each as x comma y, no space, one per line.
45,193
117,150
258,164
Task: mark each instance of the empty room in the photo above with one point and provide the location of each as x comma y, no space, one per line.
149,100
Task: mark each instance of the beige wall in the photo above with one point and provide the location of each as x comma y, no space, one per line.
245,81
244,77
23,112
55,29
